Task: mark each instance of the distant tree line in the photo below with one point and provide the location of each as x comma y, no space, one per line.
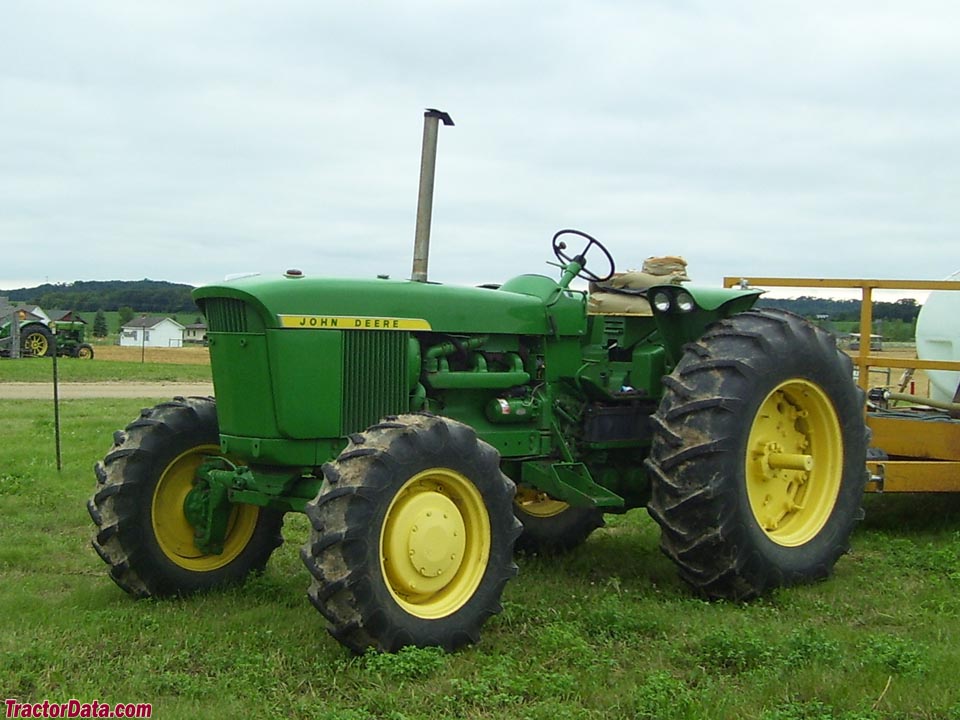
158,296
149,296
904,310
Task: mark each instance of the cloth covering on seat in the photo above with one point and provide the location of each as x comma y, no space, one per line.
623,294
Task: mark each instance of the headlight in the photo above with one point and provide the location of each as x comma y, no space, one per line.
685,303
661,301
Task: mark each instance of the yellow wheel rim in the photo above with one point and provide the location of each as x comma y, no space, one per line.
36,344
435,543
794,462
175,534
538,504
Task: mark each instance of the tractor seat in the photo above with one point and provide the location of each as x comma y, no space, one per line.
625,293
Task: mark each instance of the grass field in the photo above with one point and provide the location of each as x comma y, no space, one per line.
114,364
605,632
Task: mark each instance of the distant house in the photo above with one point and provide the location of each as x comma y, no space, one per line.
195,333
65,316
31,312
35,313
24,312
152,332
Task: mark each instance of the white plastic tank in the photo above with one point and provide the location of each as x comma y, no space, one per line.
938,338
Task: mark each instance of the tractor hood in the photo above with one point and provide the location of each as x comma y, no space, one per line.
302,302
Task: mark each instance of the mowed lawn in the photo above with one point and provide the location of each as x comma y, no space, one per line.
607,631
113,364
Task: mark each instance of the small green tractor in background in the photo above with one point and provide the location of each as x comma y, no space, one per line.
70,340
426,429
37,339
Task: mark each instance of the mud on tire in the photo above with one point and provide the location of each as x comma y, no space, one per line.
757,463
395,496
138,508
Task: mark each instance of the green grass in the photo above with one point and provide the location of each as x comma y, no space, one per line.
607,631
71,370
113,322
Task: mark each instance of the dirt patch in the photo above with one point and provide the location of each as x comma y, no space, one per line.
177,356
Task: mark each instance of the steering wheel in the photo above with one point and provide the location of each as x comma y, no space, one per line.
559,246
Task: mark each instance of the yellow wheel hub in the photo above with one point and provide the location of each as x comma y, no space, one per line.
794,462
435,543
538,504
36,344
175,534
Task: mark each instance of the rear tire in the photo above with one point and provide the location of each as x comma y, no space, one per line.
758,459
142,533
36,341
413,535
552,527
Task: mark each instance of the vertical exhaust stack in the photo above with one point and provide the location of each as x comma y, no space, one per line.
428,166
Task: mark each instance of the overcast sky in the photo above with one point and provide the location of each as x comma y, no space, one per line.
184,141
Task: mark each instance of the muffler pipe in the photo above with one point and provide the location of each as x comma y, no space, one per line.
428,166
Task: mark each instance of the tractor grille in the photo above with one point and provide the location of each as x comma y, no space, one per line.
614,326
225,315
374,377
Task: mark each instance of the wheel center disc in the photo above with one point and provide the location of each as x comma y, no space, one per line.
426,543
794,462
172,528
438,540
435,543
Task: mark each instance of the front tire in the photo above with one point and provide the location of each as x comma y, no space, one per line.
142,533
413,535
758,459
84,352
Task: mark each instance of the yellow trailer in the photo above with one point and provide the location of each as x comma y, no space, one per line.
916,448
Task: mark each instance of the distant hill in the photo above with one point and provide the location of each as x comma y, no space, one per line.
152,296
158,296
904,310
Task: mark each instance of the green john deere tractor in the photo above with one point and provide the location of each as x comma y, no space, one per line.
70,340
425,428
37,339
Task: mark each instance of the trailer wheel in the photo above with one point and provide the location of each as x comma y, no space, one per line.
413,535
758,459
84,352
552,526
36,340
142,533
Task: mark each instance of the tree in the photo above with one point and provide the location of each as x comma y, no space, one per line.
126,314
100,325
